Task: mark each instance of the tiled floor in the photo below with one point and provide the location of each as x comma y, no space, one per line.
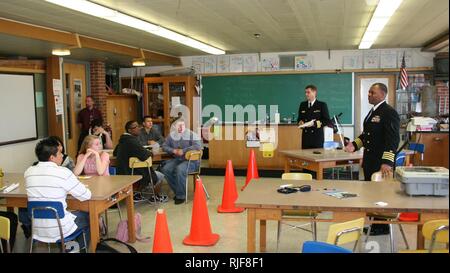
230,226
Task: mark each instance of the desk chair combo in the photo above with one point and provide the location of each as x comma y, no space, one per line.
5,234
134,162
191,156
52,210
297,215
434,231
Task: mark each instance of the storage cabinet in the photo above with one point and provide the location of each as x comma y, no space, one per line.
165,98
119,110
436,149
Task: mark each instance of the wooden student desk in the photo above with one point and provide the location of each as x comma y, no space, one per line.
106,191
264,203
307,159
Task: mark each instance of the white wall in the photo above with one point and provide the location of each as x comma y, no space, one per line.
17,157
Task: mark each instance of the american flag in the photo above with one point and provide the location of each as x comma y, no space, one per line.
403,75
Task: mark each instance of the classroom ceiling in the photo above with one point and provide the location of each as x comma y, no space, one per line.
284,25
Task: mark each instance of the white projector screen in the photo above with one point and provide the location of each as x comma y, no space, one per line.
17,109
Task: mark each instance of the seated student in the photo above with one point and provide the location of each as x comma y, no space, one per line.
149,134
91,159
12,230
48,181
104,135
129,146
67,160
24,218
177,144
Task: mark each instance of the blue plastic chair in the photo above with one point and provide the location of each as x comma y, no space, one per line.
51,210
400,159
417,147
321,247
112,170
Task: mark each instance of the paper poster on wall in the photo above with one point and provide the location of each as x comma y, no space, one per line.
408,58
223,64
270,63
250,63
303,63
236,63
58,94
388,59
210,64
197,64
371,59
77,94
352,62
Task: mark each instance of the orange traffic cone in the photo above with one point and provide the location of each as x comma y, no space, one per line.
229,195
161,240
252,169
201,234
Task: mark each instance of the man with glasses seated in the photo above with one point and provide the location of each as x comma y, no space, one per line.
180,141
48,181
129,146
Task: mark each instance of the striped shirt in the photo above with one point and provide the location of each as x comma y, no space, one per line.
49,182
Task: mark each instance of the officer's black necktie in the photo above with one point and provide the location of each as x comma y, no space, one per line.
368,115
309,104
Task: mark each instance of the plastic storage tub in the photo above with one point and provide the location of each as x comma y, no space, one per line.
423,180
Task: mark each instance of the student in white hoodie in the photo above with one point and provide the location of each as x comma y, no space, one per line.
48,181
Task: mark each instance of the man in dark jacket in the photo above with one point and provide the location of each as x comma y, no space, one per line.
129,146
312,116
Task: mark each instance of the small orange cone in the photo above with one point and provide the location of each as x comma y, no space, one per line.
161,240
201,234
229,195
252,169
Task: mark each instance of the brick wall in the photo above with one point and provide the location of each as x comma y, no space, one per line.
442,96
98,85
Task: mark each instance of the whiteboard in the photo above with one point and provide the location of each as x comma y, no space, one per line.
17,109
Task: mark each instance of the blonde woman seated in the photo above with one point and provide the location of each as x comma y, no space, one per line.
91,159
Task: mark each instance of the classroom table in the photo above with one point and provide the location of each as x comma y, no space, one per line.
106,191
317,162
263,203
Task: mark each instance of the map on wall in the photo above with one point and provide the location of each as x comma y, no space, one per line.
223,64
236,63
197,64
352,62
371,59
388,59
250,63
271,63
209,64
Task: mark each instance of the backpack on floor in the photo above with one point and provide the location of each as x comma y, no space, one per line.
122,229
112,245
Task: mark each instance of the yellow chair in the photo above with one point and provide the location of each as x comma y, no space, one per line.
434,231
346,232
135,163
391,217
4,233
194,155
297,215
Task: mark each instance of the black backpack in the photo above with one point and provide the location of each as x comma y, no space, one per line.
112,245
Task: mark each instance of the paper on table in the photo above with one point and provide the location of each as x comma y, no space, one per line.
307,124
381,204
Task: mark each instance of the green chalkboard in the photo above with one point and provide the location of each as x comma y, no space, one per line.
286,91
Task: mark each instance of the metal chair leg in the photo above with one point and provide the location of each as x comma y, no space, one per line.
278,234
391,237
85,243
403,235
206,192
187,188
368,231
314,229
31,244
356,244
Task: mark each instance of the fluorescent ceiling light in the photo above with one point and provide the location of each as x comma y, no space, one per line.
123,19
383,12
138,62
61,52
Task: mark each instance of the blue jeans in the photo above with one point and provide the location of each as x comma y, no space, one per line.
176,173
82,222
